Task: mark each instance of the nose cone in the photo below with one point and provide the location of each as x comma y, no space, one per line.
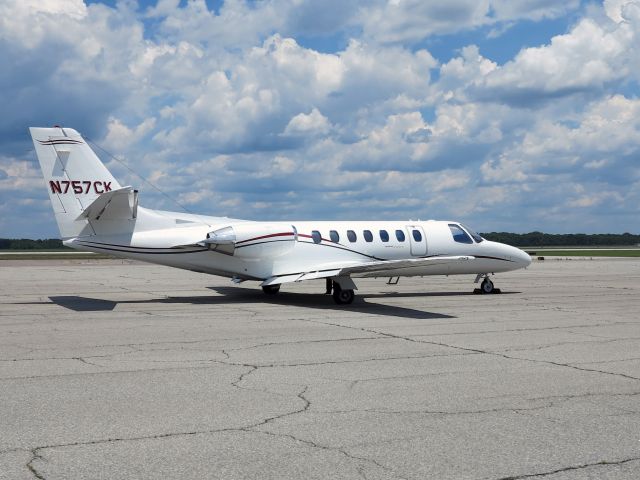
521,257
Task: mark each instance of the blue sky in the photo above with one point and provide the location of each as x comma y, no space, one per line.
509,115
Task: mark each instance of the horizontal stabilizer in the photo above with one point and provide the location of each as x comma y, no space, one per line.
118,204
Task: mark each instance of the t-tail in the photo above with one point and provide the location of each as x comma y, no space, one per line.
86,198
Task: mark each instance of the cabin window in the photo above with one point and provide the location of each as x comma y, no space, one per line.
400,235
384,235
473,234
459,235
368,236
417,236
335,236
315,235
351,235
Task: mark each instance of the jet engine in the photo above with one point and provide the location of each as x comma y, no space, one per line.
253,240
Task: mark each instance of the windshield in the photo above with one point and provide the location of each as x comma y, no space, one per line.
475,236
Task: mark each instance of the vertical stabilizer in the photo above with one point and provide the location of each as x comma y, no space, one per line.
74,177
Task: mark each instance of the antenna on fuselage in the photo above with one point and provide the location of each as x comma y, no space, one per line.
131,170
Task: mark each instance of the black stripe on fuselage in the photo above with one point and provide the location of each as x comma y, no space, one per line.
139,250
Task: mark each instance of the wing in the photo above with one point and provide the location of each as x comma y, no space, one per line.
381,267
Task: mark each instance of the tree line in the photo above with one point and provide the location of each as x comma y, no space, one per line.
532,239
539,239
28,244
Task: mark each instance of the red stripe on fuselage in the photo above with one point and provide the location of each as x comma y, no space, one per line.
283,234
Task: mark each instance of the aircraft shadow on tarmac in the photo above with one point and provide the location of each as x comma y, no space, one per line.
231,295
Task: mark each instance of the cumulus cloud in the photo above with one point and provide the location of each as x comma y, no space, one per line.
413,20
230,111
313,123
595,54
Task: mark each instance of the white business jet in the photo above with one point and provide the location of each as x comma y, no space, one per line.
95,213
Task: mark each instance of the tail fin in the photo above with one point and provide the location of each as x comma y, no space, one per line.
74,175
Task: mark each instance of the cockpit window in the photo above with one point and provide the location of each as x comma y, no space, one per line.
459,235
473,234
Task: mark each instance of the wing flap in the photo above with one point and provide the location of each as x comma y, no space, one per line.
323,274
386,265
278,279
368,267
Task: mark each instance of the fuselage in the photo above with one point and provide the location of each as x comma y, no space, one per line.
261,250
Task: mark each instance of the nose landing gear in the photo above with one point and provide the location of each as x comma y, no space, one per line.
486,286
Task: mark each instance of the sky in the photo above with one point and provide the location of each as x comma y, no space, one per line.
508,115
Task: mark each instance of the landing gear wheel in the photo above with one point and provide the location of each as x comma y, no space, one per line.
271,289
486,286
343,297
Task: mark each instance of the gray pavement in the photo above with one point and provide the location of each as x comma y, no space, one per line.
116,370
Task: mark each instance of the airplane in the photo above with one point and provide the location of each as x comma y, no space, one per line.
95,213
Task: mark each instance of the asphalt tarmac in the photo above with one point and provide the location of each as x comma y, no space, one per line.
113,370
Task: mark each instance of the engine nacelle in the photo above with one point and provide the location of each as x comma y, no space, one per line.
253,240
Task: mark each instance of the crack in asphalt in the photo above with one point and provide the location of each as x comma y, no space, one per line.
109,372
85,361
253,429
570,468
439,412
35,359
577,342
300,342
628,359
477,350
335,449
220,362
530,329
35,456
138,346
306,406
337,362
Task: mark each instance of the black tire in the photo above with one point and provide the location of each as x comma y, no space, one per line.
486,286
343,297
271,289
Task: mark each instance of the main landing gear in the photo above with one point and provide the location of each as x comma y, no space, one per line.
486,286
342,296
341,290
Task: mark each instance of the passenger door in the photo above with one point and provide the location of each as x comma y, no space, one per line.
417,240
